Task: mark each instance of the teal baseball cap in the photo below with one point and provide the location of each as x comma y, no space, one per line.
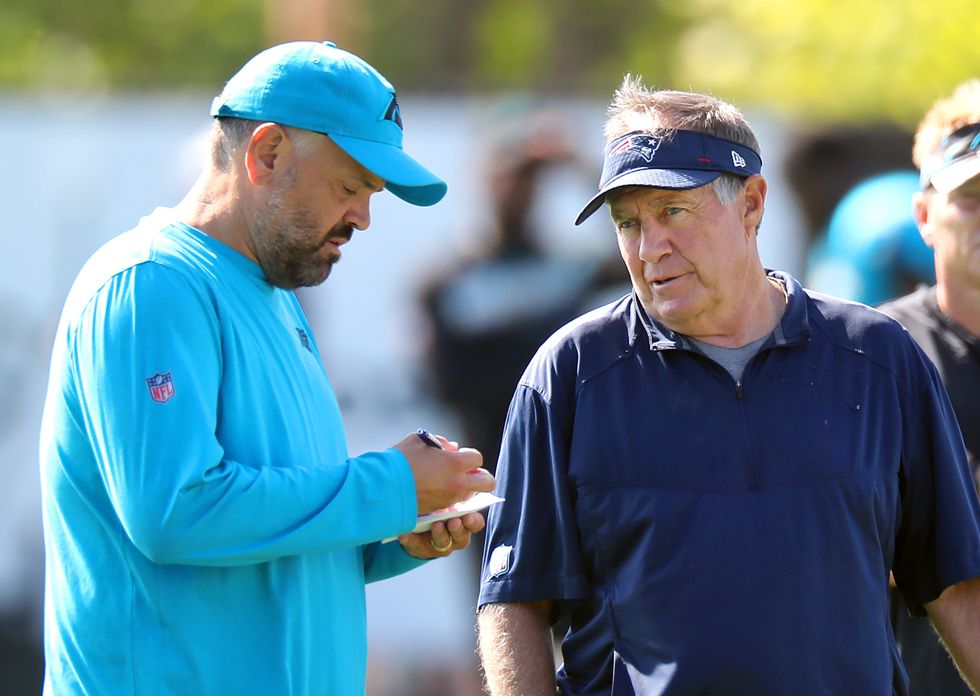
321,88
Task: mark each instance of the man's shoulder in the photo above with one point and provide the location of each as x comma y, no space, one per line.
879,339
848,321
583,347
913,308
145,248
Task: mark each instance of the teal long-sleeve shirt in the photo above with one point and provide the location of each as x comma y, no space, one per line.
206,530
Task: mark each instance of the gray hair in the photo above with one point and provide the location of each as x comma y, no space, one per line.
727,187
228,135
636,108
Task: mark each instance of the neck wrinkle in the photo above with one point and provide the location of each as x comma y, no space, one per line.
214,206
763,316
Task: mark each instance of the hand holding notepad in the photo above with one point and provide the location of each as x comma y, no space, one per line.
477,503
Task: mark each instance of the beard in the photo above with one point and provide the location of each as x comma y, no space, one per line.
288,243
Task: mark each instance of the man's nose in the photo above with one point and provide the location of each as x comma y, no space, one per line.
359,216
655,243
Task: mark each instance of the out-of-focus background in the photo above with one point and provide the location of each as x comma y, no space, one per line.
433,312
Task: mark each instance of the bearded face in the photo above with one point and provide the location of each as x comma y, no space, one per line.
289,242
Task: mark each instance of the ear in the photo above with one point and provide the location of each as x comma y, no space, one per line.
754,195
264,154
920,211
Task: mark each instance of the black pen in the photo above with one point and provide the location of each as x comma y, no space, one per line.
425,437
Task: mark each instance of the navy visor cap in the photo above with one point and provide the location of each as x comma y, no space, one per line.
679,159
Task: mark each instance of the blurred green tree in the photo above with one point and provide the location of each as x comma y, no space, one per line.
136,44
862,60
855,60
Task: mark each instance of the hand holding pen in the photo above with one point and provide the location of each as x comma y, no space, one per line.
444,474
427,438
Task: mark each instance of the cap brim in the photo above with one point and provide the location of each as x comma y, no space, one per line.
657,178
403,176
956,174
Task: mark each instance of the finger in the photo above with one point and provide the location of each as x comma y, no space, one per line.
419,546
480,480
439,532
442,440
448,445
469,458
455,527
460,533
473,521
440,537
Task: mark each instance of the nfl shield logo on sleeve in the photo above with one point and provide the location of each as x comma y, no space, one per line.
499,561
161,386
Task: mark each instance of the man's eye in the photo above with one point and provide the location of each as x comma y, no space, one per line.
624,225
349,191
672,211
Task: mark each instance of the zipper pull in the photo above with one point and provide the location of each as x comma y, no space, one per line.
738,391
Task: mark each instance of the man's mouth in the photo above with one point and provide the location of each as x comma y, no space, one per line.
337,238
664,281
340,234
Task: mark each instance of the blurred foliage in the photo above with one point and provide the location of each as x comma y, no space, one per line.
854,60
141,44
863,60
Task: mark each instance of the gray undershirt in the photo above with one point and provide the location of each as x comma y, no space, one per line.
733,360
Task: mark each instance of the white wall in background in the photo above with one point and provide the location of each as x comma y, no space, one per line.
79,173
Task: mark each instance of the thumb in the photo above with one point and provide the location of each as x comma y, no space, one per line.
468,458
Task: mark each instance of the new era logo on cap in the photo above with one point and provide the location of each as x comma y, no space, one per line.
737,159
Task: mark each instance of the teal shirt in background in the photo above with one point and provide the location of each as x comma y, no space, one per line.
206,530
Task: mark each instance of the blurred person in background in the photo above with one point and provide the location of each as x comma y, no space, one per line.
944,319
489,311
824,163
683,466
853,184
206,529
872,250
21,548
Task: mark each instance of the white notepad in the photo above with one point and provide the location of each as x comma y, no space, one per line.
480,501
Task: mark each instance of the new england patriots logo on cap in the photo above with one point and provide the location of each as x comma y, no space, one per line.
393,112
645,146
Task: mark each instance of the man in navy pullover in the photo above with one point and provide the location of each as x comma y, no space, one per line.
711,478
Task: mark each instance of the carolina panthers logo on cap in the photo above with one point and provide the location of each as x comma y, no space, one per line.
304,339
645,146
393,112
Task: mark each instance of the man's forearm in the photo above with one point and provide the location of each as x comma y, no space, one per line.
516,649
956,617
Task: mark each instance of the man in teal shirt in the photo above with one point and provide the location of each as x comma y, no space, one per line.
207,531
